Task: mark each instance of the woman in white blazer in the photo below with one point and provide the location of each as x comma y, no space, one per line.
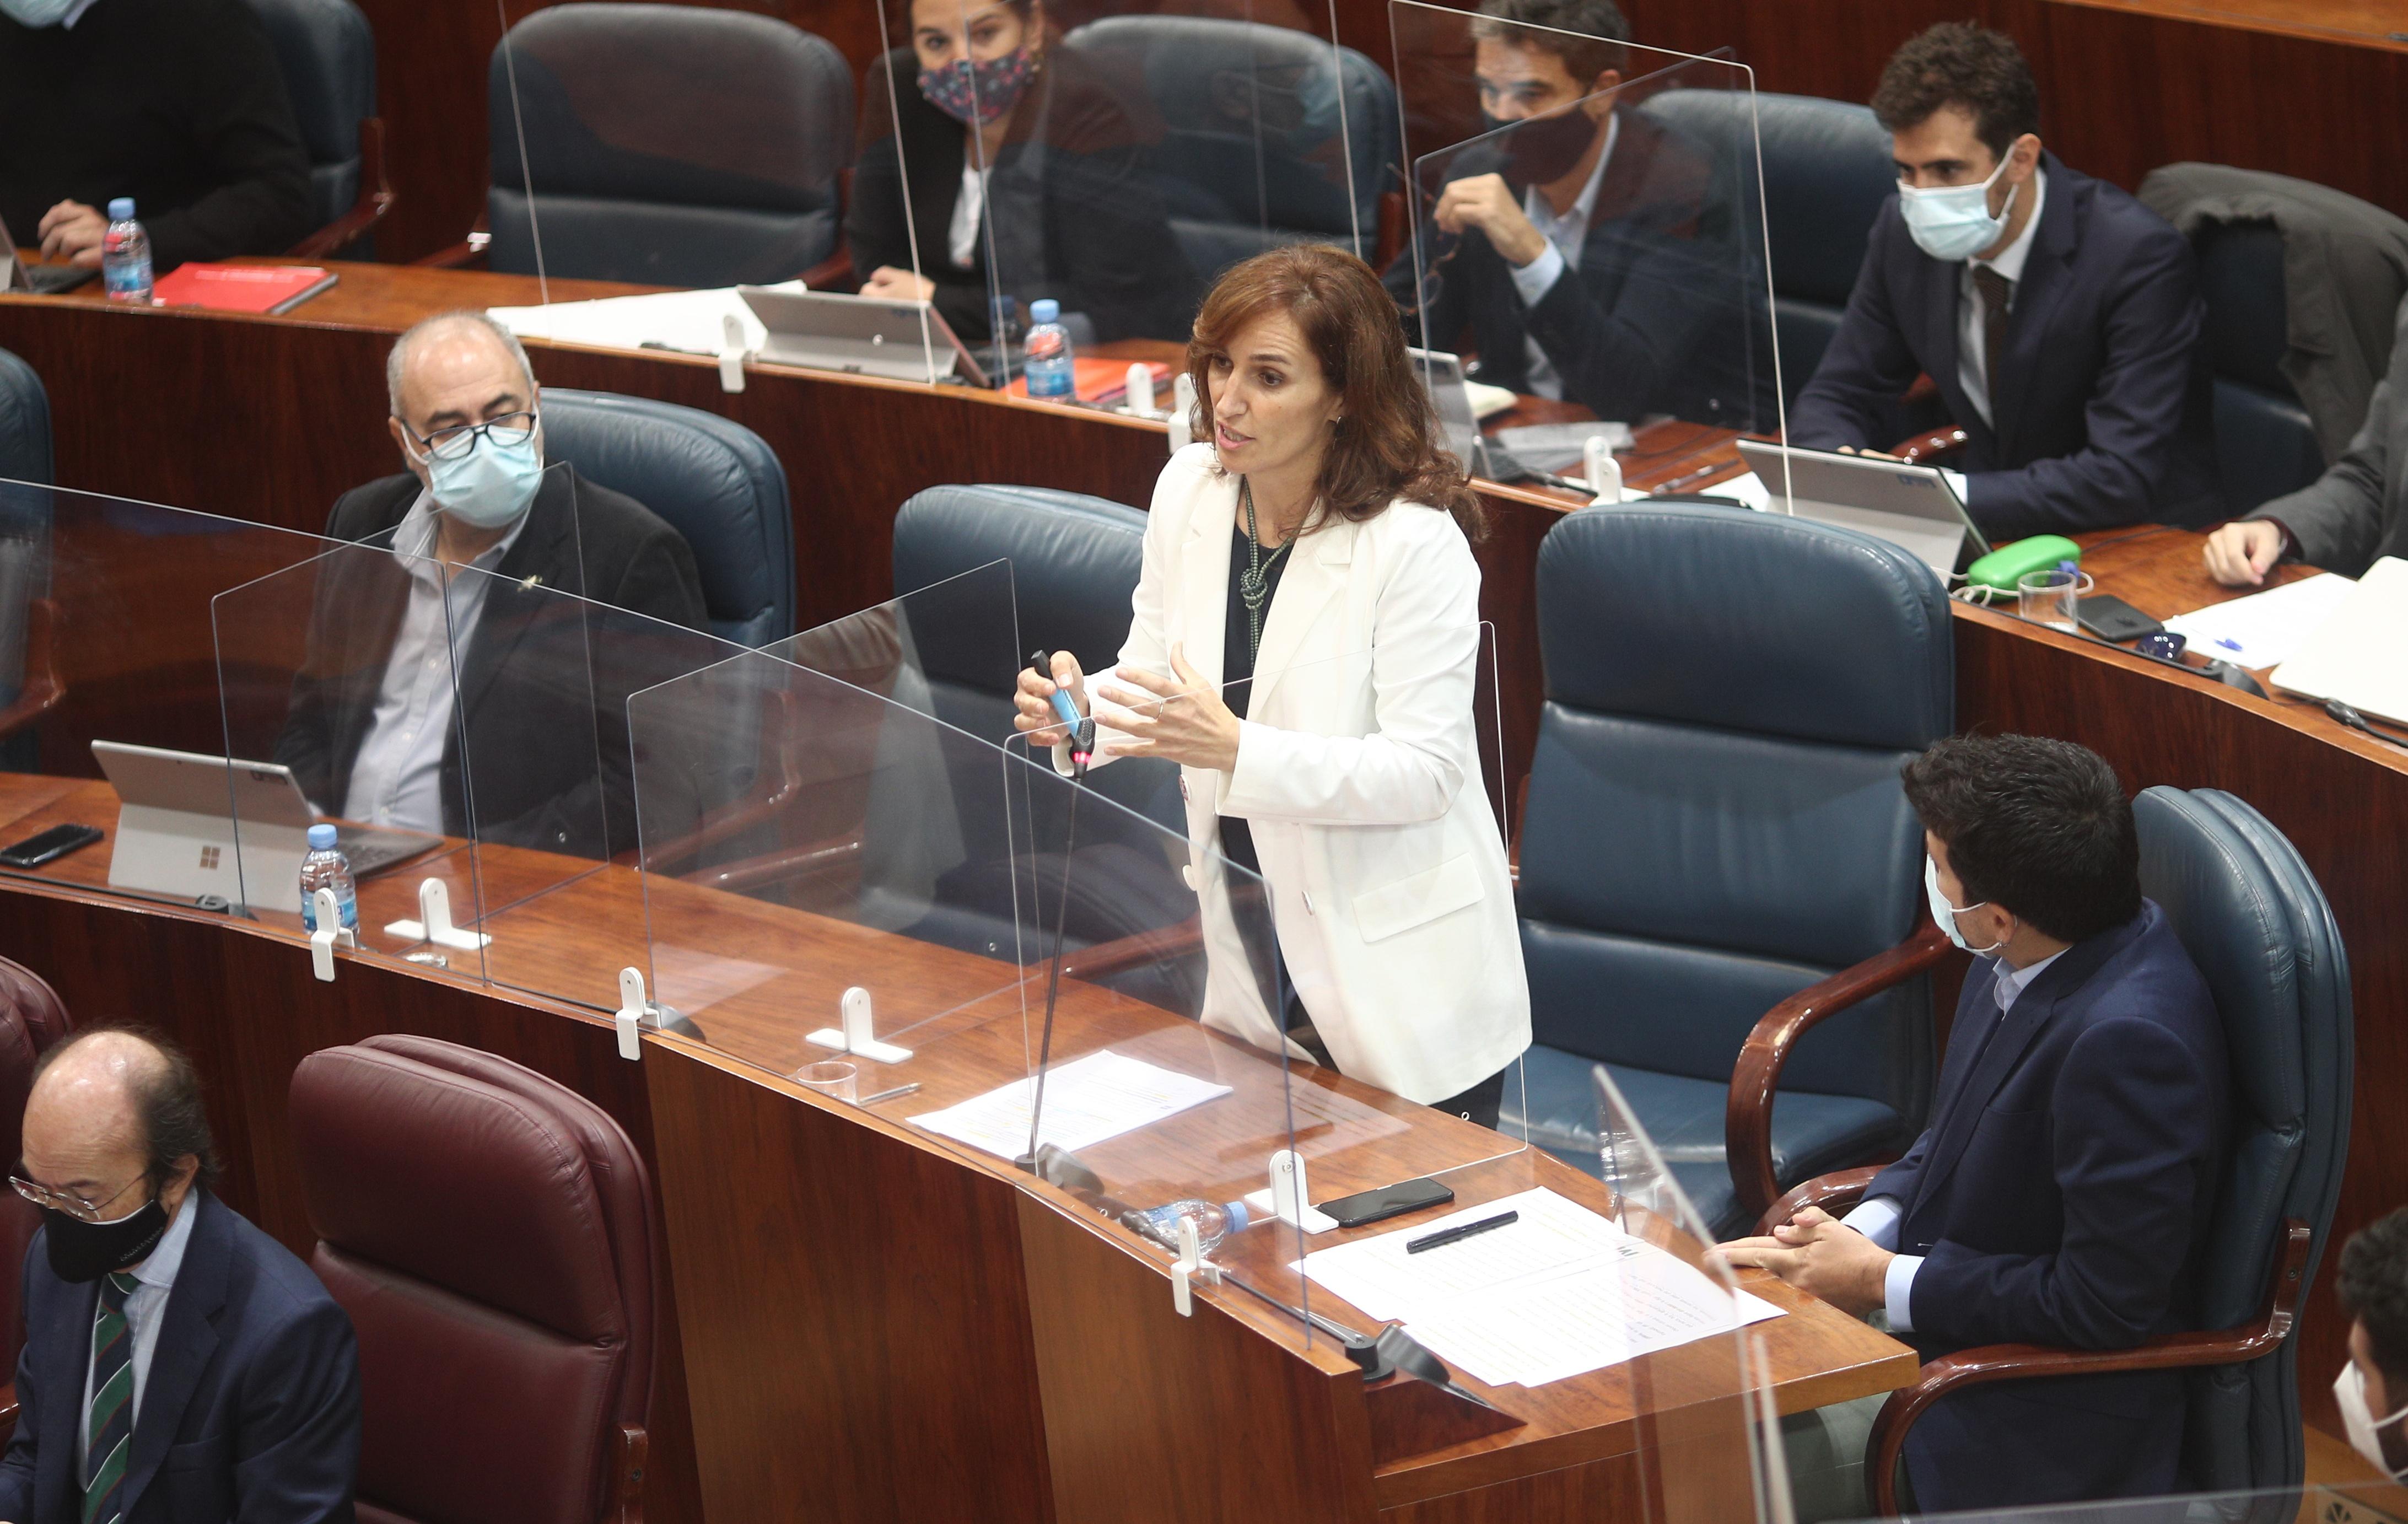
1304,644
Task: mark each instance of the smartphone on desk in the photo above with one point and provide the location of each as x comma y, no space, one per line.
2111,618
49,846
1387,1201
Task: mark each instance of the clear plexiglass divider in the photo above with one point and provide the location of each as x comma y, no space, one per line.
1115,159
1639,167
120,702
868,852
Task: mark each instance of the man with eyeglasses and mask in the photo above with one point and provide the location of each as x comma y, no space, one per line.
180,1366
2372,1386
2057,316
2063,1194
1564,243
465,621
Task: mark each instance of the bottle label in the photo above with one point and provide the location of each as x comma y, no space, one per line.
128,279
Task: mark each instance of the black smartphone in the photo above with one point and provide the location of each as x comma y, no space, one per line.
1387,1201
2111,618
52,845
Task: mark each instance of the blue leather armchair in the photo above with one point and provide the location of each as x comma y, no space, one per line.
28,686
24,423
2254,920
715,483
1721,883
1826,172
327,53
674,145
1248,115
2265,442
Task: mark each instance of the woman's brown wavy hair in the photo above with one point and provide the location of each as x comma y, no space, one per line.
1385,445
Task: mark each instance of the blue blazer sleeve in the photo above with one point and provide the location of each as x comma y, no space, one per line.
1869,364
2134,416
17,1465
296,1460
2132,1125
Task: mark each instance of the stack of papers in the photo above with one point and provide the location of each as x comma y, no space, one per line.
2360,655
2264,629
1559,1293
1087,1101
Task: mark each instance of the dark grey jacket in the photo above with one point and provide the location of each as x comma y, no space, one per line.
2357,513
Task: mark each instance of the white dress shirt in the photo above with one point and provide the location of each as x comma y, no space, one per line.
1877,1216
1565,236
1973,342
398,777
969,207
146,1309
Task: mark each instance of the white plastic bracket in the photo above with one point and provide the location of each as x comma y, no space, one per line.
857,1037
1182,408
1604,471
329,934
635,1015
1190,1268
733,353
1140,389
434,923
1286,1199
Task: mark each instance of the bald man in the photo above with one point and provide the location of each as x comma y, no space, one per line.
463,631
180,1367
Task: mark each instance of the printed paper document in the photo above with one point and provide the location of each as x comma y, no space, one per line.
2264,628
1087,1101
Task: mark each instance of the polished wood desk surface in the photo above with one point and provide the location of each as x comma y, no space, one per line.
562,924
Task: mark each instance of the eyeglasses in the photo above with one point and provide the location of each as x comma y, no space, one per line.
510,430
69,1202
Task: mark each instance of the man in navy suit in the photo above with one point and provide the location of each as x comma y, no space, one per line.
2059,317
2063,1194
180,1367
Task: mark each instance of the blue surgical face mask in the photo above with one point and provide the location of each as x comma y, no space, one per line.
493,484
36,13
1952,223
1946,913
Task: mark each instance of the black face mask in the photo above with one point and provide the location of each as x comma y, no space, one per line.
1540,151
85,1251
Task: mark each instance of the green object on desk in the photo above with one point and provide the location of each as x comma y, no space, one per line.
2000,568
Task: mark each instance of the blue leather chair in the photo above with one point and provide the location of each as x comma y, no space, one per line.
24,611
24,423
1716,852
1826,172
1247,113
2254,920
716,482
327,53
2265,442
673,145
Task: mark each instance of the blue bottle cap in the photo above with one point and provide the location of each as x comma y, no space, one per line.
1239,1217
122,209
1045,310
322,838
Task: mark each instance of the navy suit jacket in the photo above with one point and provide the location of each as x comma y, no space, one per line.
2105,404
1639,327
251,1409
2062,1196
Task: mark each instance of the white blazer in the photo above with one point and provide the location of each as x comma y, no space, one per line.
1358,772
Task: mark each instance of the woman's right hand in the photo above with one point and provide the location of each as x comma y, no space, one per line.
1034,700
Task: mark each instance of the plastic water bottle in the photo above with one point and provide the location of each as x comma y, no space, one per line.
1212,1223
125,255
1048,352
326,868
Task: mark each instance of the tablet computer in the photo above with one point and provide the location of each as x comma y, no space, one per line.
861,335
1912,507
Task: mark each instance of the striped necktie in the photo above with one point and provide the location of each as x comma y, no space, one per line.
111,1419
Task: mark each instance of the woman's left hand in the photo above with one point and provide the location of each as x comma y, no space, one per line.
1179,717
891,284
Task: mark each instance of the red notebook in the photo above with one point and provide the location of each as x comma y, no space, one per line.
241,288
1101,380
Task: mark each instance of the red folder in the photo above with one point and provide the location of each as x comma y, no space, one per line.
241,288
1100,380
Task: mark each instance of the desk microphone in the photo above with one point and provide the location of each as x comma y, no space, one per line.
1081,740
1081,732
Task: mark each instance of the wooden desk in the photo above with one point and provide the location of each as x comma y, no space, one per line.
871,1324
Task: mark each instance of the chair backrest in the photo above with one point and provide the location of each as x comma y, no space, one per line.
1827,171
2256,923
2265,442
30,1019
491,1234
1249,117
326,50
675,145
24,423
716,482
1714,818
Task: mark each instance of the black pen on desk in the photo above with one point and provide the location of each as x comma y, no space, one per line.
1450,1235
1698,475
672,348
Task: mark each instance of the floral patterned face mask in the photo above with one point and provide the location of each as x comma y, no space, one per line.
978,92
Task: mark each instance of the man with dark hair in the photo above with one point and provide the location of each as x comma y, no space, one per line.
1565,246
2373,1388
161,1324
2057,316
2061,1195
